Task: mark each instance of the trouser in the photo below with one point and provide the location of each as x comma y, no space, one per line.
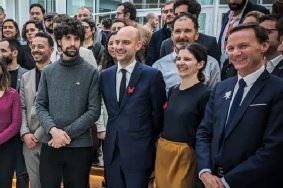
20,167
120,176
7,163
71,164
32,164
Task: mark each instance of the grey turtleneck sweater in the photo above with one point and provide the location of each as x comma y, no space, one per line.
69,98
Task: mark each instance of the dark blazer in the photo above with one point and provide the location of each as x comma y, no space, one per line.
139,120
250,7
207,41
278,70
153,50
253,143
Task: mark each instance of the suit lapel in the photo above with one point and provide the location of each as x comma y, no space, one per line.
19,77
112,83
33,80
199,40
132,83
278,69
228,91
255,89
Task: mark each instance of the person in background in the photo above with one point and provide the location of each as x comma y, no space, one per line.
2,18
48,19
109,54
30,28
31,132
106,24
151,21
253,16
117,24
127,12
10,124
89,42
279,25
153,51
36,12
277,7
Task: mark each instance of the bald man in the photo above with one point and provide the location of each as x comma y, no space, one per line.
134,95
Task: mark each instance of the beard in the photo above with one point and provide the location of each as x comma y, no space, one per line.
8,60
71,54
49,30
237,6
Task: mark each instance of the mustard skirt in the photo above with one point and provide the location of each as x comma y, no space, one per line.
175,165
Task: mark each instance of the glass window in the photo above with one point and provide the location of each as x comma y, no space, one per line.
74,5
206,2
267,1
201,22
254,1
48,5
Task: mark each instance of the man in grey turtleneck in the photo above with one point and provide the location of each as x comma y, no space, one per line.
68,104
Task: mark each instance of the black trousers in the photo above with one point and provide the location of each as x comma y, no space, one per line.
71,164
7,163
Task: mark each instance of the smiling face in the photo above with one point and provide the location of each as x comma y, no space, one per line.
187,64
245,52
9,30
127,44
184,32
111,46
40,50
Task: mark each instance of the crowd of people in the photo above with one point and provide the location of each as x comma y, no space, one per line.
170,108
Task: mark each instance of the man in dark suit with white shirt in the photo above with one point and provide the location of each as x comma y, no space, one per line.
240,140
134,95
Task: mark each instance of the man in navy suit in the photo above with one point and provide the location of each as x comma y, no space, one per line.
240,140
234,17
134,95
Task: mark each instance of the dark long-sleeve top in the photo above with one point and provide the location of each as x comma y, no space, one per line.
10,115
184,112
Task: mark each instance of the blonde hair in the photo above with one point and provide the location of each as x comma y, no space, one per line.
255,14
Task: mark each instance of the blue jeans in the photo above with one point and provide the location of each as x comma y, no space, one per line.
21,171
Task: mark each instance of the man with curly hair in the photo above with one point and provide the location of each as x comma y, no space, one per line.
68,104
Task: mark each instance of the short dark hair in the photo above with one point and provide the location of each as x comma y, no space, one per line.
5,77
48,37
2,10
13,43
186,15
270,17
37,25
107,23
260,32
60,18
279,26
167,3
277,7
193,6
69,26
15,25
116,20
37,5
200,53
129,8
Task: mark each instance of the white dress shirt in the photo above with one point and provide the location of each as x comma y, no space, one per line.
250,80
129,69
273,63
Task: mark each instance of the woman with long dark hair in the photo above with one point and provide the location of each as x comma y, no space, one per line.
175,164
10,124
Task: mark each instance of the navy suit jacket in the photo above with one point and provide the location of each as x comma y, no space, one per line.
250,7
153,50
253,143
278,70
207,41
139,120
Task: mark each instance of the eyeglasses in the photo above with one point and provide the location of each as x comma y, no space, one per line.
269,31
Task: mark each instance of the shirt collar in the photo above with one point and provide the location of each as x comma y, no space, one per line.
276,60
174,54
129,68
251,78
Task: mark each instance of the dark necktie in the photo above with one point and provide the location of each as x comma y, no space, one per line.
236,103
234,107
122,86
